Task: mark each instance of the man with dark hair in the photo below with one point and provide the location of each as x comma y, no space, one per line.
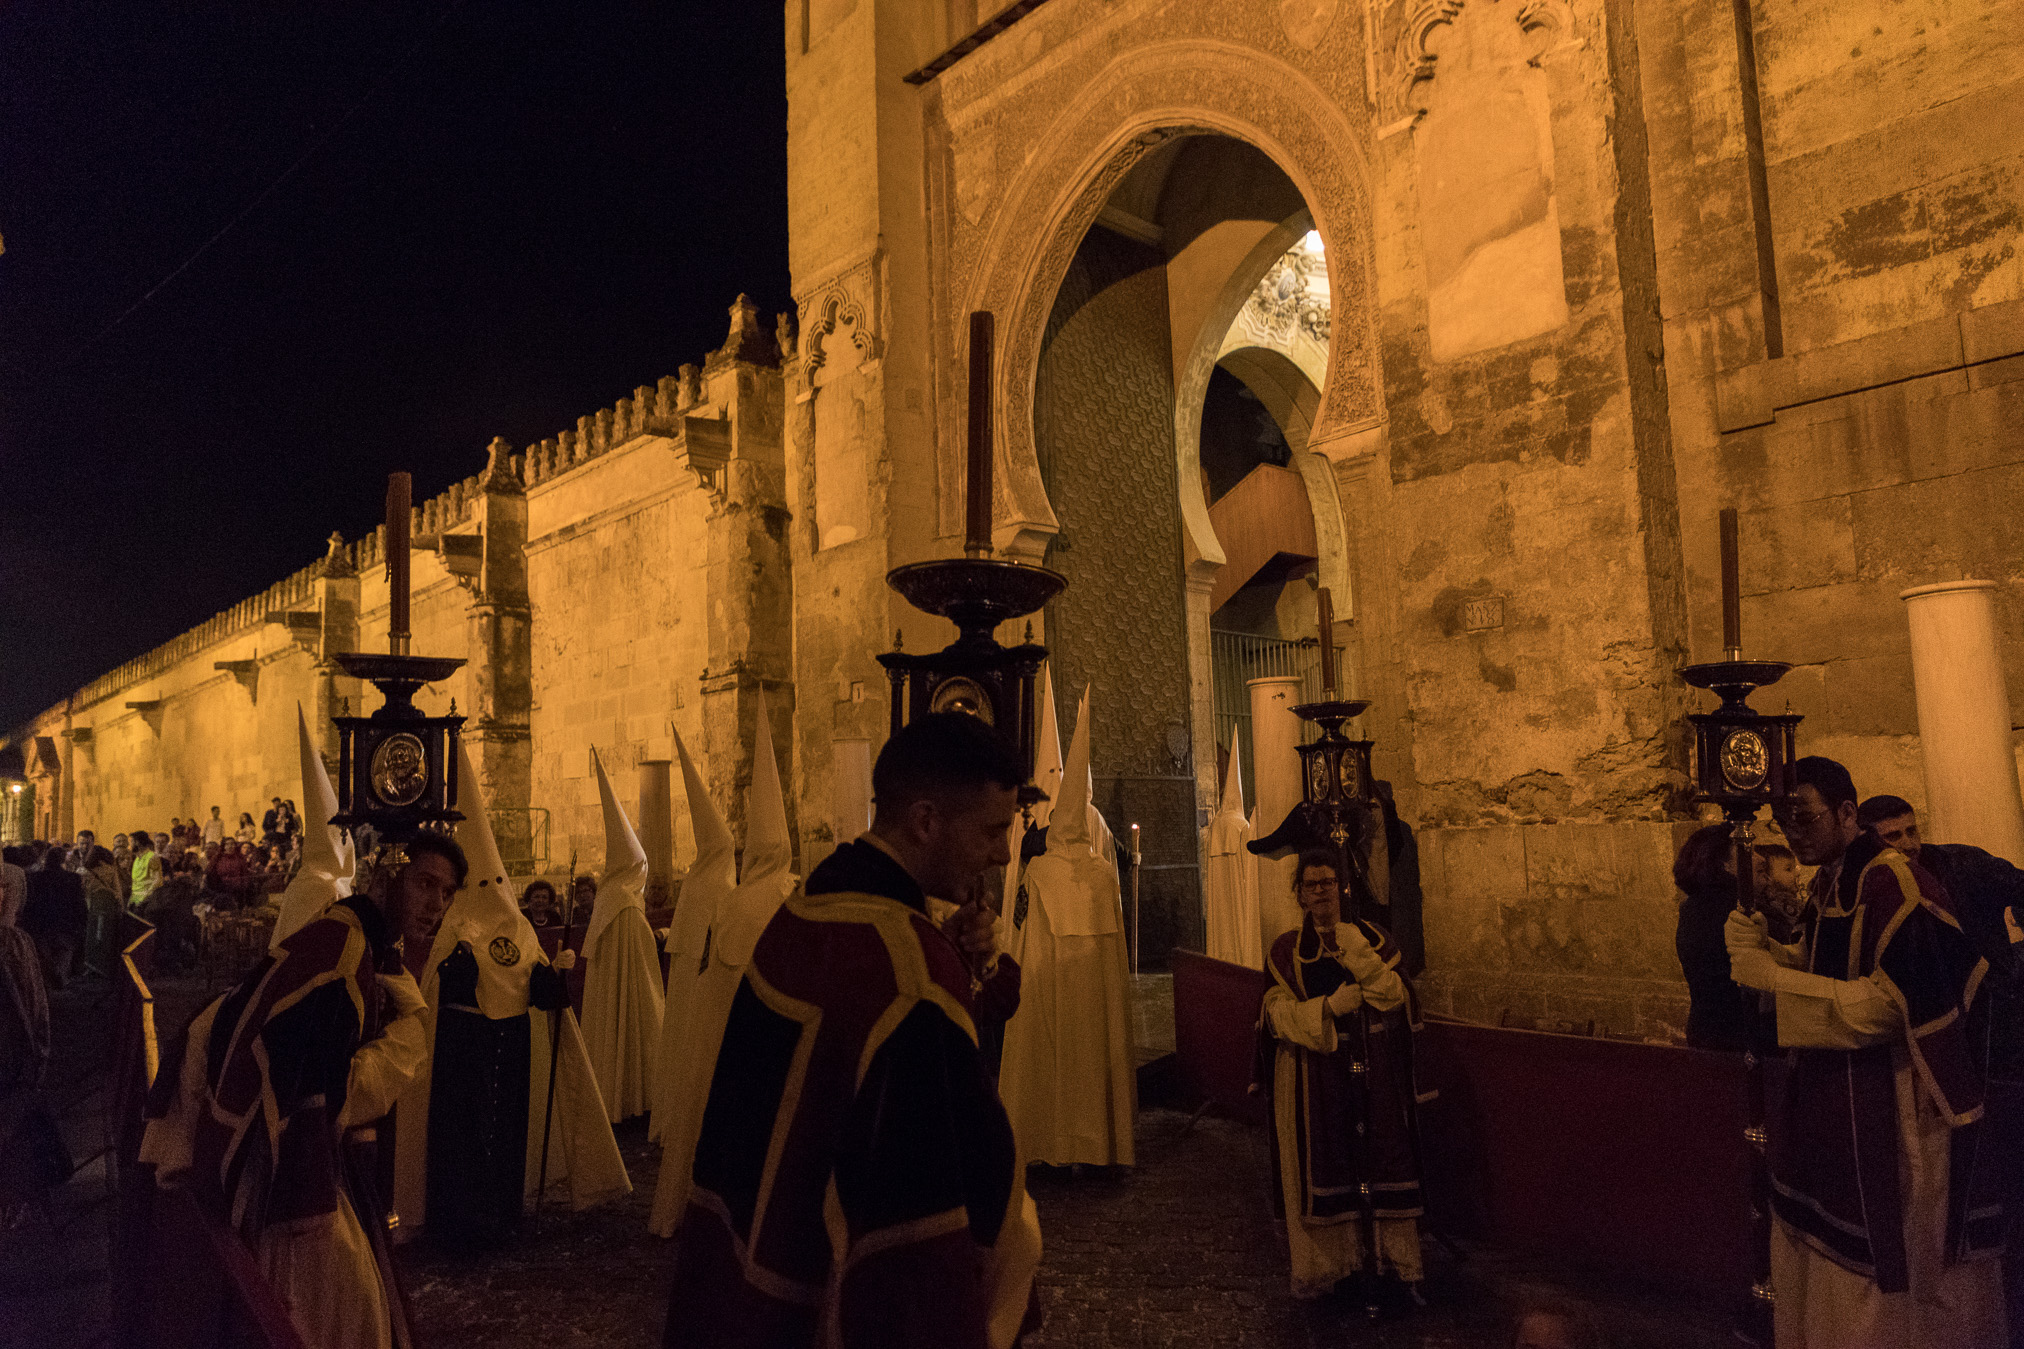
253,1104
1981,884
1882,1235
146,869
1988,895
856,1181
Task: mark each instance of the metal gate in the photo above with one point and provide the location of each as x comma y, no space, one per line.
1238,657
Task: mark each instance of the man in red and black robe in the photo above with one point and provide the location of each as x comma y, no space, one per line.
1888,1230
855,1180
252,1104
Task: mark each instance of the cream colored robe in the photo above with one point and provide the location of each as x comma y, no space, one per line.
1069,1078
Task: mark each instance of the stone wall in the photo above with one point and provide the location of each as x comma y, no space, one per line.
1597,269
1865,419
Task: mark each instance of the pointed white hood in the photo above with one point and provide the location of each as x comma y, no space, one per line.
484,913
765,878
328,864
1070,821
1230,878
623,885
714,874
1047,753
1231,819
1078,888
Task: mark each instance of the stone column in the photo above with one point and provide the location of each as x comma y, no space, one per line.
1275,735
1964,719
748,607
499,621
657,828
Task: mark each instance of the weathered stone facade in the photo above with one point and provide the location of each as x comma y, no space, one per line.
1595,270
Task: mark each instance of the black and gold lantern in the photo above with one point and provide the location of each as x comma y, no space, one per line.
397,769
974,674
1336,791
1742,758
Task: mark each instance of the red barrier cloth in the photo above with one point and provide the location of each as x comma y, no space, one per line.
1215,1031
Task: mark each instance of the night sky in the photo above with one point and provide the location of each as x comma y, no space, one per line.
500,217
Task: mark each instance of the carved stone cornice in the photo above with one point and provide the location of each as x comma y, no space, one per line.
846,300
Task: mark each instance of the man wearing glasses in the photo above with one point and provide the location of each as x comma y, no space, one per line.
1874,1243
1340,1018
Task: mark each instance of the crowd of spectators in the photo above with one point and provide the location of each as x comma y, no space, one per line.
72,894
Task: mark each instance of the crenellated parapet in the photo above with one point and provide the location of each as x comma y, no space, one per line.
593,609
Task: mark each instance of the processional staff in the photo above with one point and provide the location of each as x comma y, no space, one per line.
1743,762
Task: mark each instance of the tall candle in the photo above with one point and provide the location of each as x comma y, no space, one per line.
977,515
1732,590
1325,622
400,495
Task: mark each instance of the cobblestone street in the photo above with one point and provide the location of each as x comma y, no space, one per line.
1180,1252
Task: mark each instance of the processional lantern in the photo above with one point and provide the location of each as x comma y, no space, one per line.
1744,760
397,769
977,592
1335,780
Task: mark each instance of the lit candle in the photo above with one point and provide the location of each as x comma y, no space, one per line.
1325,622
400,496
977,534
1732,590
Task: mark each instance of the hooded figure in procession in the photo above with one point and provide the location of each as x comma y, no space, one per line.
329,864
740,916
622,979
470,1129
1069,1077
711,879
1231,899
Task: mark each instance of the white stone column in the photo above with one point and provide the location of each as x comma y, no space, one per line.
850,788
1275,736
1964,719
657,825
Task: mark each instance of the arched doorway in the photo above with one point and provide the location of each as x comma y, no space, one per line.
1161,400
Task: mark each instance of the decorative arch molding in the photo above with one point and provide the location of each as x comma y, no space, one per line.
1138,102
1191,386
1413,63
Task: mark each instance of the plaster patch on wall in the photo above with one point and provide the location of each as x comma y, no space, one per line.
1488,219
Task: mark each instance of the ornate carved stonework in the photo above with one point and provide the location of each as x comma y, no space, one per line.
1087,123
846,302
1408,62
1292,299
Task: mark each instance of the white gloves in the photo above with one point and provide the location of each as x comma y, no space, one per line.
1357,954
1751,963
1345,999
402,990
565,959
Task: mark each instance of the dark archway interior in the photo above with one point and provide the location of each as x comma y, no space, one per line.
1104,430
1238,434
